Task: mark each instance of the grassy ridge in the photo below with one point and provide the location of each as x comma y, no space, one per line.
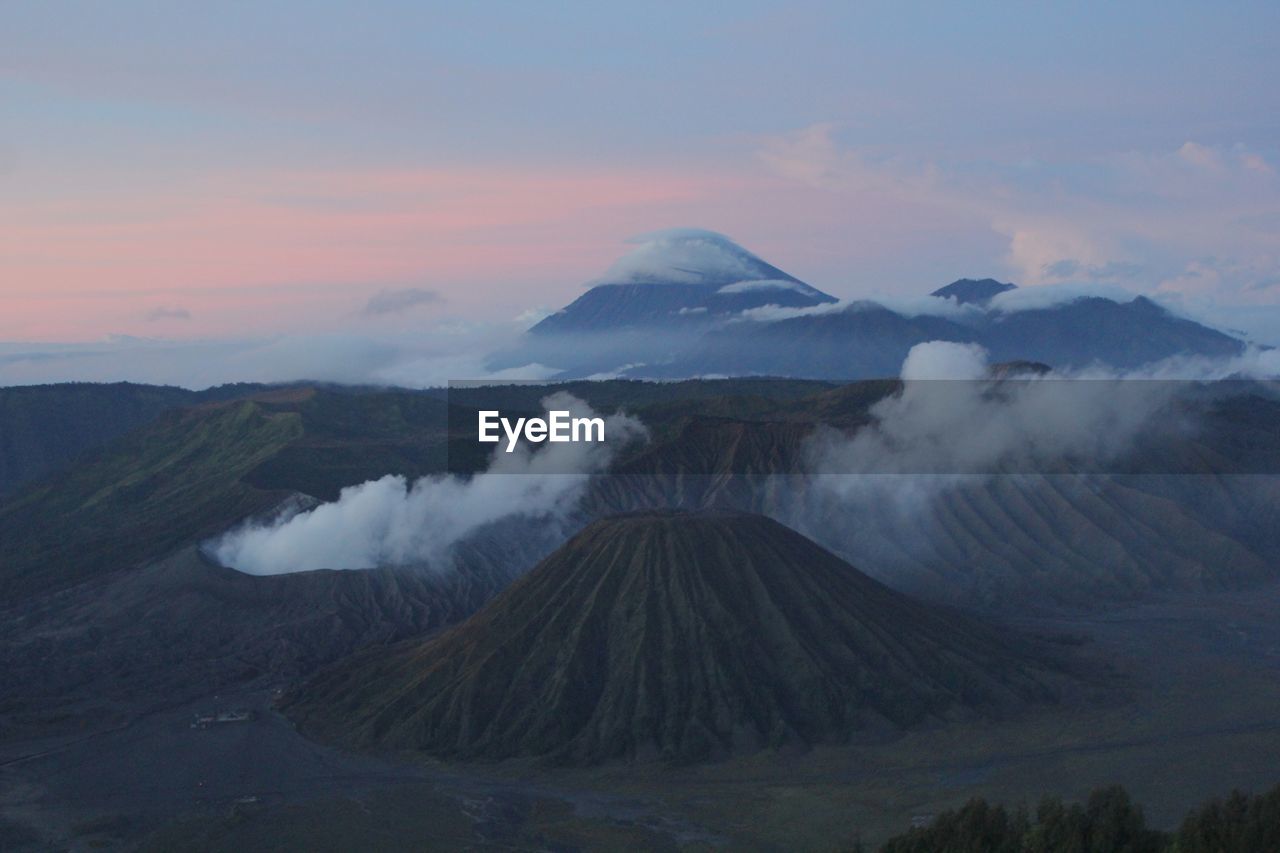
148,494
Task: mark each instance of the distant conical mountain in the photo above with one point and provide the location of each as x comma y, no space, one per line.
690,303
681,276
680,636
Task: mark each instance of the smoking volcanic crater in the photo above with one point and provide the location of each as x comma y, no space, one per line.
674,636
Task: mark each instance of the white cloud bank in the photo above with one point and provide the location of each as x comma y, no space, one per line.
765,284
907,306
431,358
686,256
951,423
1053,295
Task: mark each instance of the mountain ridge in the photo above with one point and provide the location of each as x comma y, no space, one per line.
693,303
682,276
969,291
675,636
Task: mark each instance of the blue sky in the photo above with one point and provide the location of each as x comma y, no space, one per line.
202,170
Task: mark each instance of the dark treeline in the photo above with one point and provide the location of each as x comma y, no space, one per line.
1108,822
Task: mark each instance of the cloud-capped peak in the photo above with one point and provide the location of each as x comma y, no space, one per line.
689,256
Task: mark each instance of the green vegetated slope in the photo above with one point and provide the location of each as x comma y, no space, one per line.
196,471
146,495
191,468
350,436
680,636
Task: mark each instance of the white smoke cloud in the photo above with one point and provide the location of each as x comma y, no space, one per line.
393,522
965,426
944,360
938,436
916,493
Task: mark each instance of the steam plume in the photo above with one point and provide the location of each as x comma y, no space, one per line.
394,522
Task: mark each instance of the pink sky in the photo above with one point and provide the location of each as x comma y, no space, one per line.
266,252
180,170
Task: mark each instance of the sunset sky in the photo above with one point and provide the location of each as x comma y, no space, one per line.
220,170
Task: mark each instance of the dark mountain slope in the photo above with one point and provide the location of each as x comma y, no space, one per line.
186,627
1190,512
609,306
1009,542
681,278
862,341
1089,330
868,340
673,635
969,291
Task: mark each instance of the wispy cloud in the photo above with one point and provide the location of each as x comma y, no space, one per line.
216,243
1195,219
167,312
398,301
